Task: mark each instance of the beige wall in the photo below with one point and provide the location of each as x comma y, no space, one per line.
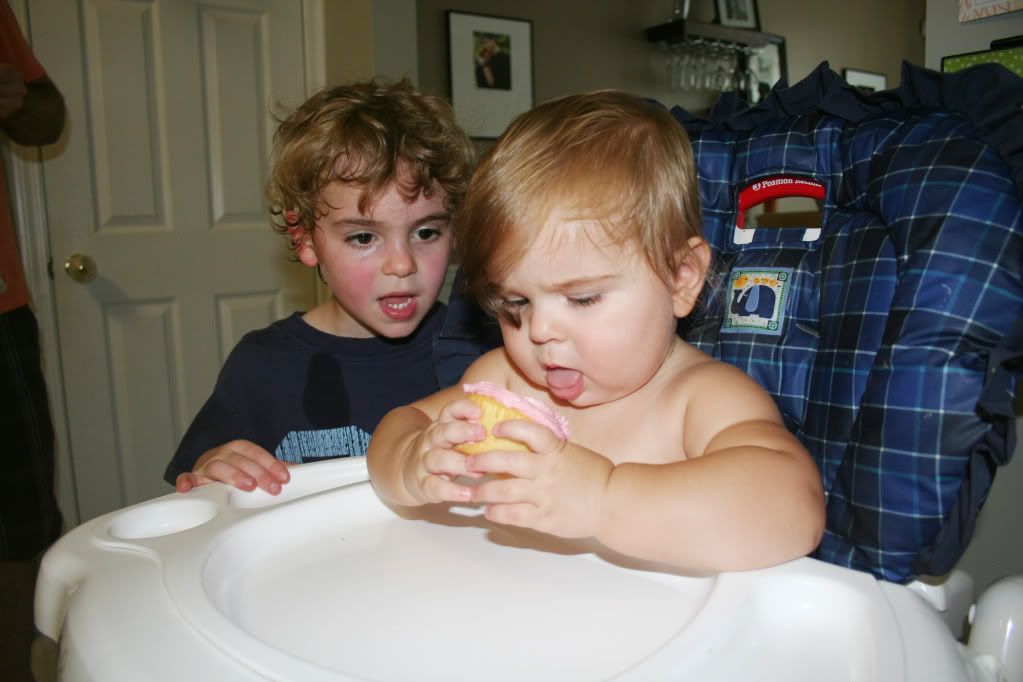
366,38
586,44
348,43
870,35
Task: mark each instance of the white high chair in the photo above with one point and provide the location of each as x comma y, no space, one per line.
324,582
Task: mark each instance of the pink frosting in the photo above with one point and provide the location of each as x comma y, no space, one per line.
536,410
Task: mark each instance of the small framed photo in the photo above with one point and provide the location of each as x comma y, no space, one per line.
1010,57
866,81
490,63
738,13
970,10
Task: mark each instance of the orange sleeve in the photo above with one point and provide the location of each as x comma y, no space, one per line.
14,49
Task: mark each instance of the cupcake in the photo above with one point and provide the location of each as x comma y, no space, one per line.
498,405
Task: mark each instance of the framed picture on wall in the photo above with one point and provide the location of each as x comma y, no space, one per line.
970,10
1009,57
867,81
738,13
490,63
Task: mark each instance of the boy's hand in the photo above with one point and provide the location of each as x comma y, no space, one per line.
558,488
431,463
240,463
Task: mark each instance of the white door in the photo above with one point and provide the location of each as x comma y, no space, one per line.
158,186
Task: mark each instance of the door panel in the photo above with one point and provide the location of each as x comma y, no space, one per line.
160,182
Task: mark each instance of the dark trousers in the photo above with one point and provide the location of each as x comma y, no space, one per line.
17,591
29,518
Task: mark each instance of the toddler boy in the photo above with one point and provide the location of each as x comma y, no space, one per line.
364,180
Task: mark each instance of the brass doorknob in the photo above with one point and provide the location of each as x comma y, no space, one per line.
80,268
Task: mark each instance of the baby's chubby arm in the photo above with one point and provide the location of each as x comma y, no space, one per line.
411,455
747,494
240,463
411,458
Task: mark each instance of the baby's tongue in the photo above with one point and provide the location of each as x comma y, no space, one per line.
562,378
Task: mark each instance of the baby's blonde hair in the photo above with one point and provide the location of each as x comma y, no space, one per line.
364,133
606,156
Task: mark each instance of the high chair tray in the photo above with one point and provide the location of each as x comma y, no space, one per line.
334,585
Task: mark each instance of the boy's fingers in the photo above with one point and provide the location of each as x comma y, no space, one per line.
186,481
260,476
240,463
232,475
263,458
183,483
247,466
279,471
240,472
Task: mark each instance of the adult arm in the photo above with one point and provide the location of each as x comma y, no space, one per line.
30,113
31,107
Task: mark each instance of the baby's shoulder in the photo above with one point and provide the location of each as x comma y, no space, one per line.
713,394
698,372
493,366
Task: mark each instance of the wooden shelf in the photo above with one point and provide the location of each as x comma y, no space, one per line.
680,32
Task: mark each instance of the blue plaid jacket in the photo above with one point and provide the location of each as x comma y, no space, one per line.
896,342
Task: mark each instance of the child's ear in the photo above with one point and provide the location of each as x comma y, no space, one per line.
690,273
303,240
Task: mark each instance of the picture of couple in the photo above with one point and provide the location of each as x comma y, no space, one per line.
492,57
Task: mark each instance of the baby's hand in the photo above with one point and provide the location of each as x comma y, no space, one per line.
557,488
240,463
431,462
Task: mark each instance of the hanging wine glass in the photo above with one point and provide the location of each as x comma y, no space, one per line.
750,63
710,67
670,67
685,65
740,81
726,68
697,65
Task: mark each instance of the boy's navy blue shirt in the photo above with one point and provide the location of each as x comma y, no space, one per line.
306,395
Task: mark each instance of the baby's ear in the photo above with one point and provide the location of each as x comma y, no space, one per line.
691,268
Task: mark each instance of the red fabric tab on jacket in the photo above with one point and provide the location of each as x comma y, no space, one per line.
776,187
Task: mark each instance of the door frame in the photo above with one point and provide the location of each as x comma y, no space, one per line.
28,209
